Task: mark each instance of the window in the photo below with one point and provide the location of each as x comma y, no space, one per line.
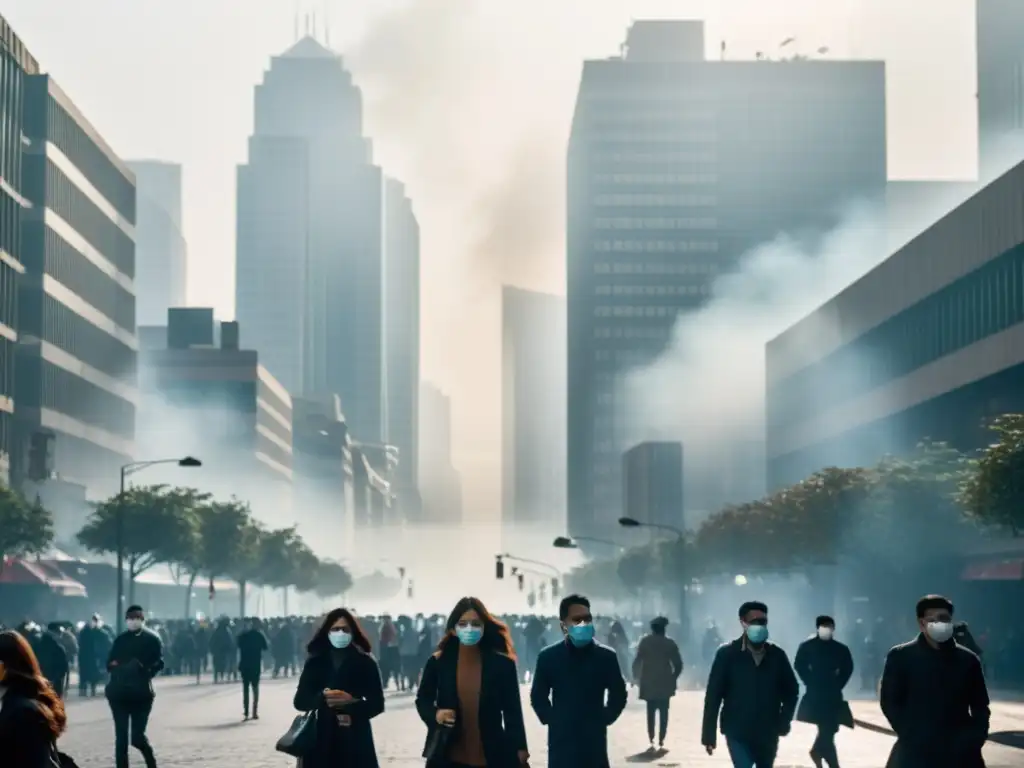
655,179
655,201
655,246
622,222
66,393
73,270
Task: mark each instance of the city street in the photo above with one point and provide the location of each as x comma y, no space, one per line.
198,726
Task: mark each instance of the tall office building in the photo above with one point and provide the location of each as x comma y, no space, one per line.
677,167
76,376
533,410
440,483
160,250
652,485
1000,29
402,341
15,63
310,264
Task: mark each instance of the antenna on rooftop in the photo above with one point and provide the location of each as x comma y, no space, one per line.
327,23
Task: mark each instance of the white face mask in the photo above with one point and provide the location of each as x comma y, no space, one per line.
134,625
825,633
339,638
939,631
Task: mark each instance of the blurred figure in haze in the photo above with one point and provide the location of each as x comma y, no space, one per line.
252,644
93,646
656,668
53,659
825,666
533,639
962,634
753,686
282,648
710,643
222,648
618,641
390,662
934,695
409,655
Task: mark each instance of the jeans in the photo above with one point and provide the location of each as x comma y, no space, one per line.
253,683
825,745
659,706
751,755
130,721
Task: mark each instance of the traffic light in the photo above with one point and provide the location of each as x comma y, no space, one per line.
401,573
522,580
499,569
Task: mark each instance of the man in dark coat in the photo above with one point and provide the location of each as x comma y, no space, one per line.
577,691
93,647
53,659
656,668
252,644
753,686
934,695
825,666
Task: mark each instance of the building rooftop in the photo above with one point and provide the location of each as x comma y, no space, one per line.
309,48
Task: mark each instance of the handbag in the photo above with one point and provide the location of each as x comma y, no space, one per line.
300,739
437,745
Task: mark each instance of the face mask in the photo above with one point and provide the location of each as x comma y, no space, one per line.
939,631
580,634
134,625
339,638
825,633
95,623
757,633
468,634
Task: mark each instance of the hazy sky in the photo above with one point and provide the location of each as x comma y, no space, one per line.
470,103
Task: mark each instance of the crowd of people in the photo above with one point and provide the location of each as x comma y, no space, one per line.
467,670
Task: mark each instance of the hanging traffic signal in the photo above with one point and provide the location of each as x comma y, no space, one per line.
499,569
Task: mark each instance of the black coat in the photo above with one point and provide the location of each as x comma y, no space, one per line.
502,730
350,746
577,693
937,703
25,738
252,644
53,660
824,667
757,701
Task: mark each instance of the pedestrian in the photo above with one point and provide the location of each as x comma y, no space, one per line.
341,682
934,695
390,660
825,666
252,644
657,667
135,659
53,658
753,685
31,714
93,648
470,684
408,649
577,690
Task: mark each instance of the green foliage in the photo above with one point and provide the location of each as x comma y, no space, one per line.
285,561
333,579
993,494
25,528
229,540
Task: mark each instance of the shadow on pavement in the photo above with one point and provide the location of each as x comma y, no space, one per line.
647,756
1013,739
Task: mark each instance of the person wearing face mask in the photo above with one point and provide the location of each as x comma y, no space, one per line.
134,660
341,682
577,690
753,686
934,695
252,644
93,647
470,684
825,666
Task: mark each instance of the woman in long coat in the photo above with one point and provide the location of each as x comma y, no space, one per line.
657,667
341,682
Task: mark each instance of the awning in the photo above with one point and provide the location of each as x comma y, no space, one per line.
17,571
998,569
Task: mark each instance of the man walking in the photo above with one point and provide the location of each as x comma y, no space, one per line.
656,668
825,666
577,691
252,644
934,695
135,659
753,686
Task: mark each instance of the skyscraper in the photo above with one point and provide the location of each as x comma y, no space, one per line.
402,340
440,484
677,167
533,410
160,251
1000,28
310,265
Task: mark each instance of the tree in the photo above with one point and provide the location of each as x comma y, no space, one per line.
157,527
25,529
285,561
189,566
993,493
230,543
635,569
333,579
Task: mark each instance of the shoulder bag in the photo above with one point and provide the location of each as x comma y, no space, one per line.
437,746
300,739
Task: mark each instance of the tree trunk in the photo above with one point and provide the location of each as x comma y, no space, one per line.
285,595
188,595
131,584
241,599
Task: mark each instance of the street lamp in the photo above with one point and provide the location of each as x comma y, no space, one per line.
127,470
567,542
632,522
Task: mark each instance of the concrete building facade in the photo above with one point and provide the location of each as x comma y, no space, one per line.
999,26
440,483
161,255
929,344
77,349
677,167
16,63
652,485
533,392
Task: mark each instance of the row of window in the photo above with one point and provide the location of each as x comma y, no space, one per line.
656,179
632,356
680,92
637,311
6,434
630,332
679,138
655,246
658,113
73,270
10,225
267,394
94,164
64,392
651,290
8,295
655,201
985,302
74,206
7,351
624,222
629,268
43,316
661,158
12,80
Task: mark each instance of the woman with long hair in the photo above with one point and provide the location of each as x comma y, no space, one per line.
341,682
31,714
470,685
